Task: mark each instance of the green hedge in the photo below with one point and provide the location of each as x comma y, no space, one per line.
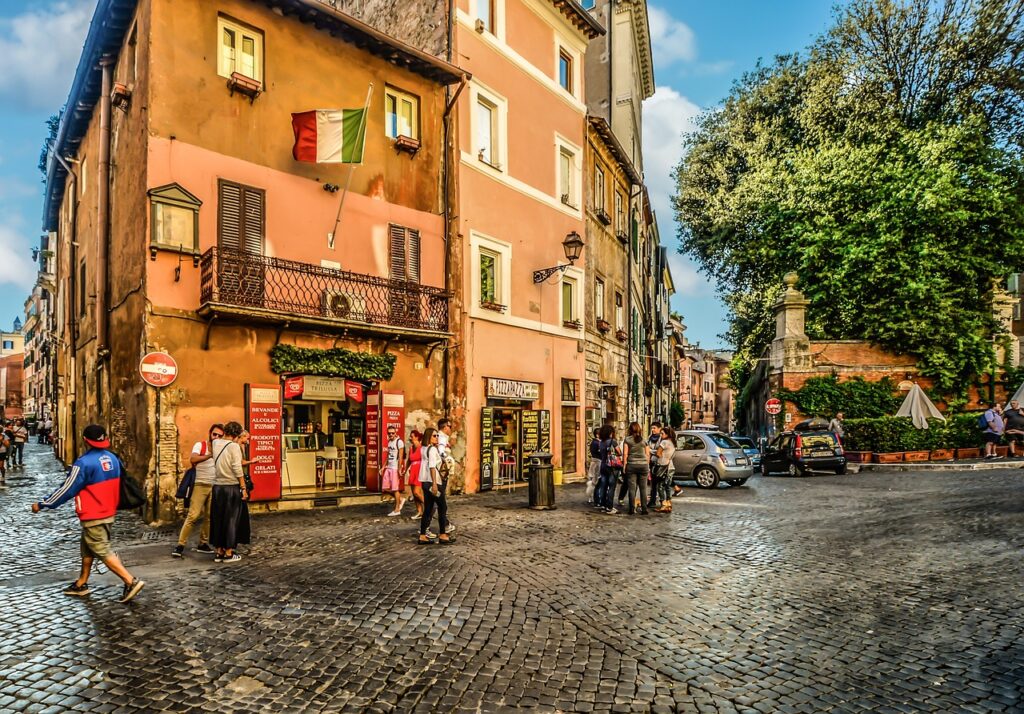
888,434
856,398
337,362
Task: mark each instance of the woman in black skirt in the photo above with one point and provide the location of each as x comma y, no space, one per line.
228,525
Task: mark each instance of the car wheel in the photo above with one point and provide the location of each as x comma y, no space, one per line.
764,470
795,470
736,481
841,470
706,477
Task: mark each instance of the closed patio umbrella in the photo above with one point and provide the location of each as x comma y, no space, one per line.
919,408
1018,395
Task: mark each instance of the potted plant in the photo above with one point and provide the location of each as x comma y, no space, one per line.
603,326
941,455
621,335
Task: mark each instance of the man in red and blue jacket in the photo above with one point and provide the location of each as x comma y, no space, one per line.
94,481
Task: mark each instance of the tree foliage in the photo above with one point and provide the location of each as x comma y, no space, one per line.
336,362
52,125
856,398
885,167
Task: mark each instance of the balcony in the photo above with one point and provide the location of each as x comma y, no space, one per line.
254,287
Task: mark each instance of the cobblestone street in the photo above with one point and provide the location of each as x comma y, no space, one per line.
873,592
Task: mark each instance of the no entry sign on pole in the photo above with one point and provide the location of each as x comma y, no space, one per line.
773,406
158,369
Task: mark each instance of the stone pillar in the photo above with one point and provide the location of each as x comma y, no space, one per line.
790,350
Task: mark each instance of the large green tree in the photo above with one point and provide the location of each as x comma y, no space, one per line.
884,165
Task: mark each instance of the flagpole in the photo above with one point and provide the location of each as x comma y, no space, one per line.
352,167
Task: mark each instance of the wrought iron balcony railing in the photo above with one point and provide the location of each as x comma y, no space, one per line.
246,280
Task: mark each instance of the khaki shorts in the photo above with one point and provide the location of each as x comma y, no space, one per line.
96,541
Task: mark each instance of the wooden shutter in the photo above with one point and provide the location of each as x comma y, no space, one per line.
252,226
229,231
405,253
241,213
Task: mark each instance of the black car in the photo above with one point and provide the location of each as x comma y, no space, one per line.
798,452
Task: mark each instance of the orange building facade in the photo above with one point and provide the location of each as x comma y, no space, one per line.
520,362
226,253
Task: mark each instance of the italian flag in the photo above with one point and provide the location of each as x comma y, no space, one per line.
329,136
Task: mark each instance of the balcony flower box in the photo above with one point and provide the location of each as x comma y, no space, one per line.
916,456
623,237
496,307
893,457
407,144
971,453
602,215
248,86
941,455
621,335
603,326
858,457
572,324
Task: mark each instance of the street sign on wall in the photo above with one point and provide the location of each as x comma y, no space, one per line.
158,369
773,406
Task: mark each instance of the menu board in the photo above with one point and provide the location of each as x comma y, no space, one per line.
263,421
373,441
545,431
531,434
486,449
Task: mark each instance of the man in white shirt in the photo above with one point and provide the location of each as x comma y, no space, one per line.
201,459
394,468
444,447
20,439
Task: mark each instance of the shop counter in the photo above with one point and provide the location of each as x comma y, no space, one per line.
299,468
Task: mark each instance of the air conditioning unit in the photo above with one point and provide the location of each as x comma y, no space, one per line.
344,305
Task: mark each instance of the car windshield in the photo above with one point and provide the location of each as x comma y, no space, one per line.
723,442
821,439
744,441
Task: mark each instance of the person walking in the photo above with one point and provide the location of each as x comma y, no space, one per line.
227,528
611,465
653,439
201,460
433,492
637,458
1013,420
663,454
415,463
5,448
394,468
20,432
594,469
94,482
993,433
445,442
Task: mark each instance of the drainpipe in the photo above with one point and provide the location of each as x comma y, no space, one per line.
103,216
450,196
629,299
69,452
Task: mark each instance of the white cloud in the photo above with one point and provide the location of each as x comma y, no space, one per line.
40,48
667,116
16,266
672,40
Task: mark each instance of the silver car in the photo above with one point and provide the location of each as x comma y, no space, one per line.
709,457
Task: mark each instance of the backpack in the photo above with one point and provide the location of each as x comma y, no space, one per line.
983,422
611,456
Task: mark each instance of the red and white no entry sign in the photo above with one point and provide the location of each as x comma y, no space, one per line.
158,369
773,406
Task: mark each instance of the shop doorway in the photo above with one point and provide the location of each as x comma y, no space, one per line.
509,434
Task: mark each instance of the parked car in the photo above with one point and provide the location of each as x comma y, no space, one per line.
709,457
798,452
750,449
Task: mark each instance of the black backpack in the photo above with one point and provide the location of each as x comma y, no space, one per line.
130,495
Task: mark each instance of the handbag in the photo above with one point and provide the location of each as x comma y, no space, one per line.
613,458
188,483
130,495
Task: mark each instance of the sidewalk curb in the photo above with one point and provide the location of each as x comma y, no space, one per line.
1000,465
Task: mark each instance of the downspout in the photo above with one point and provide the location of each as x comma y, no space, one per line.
448,192
629,300
103,217
71,317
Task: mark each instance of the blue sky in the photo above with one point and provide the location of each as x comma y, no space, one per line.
699,48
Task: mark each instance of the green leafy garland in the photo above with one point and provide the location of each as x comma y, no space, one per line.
285,359
856,398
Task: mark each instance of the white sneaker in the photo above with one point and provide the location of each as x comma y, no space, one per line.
394,513
612,511
450,529
431,534
415,517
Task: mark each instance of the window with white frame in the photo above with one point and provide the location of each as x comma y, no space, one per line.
620,212
620,321
565,68
568,300
568,176
487,130
598,299
485,14
490,278
598,189
401,114
240,50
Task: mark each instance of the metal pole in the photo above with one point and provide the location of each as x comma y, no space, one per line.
352,167
156,484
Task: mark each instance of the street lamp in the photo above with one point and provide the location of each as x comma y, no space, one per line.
573,246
